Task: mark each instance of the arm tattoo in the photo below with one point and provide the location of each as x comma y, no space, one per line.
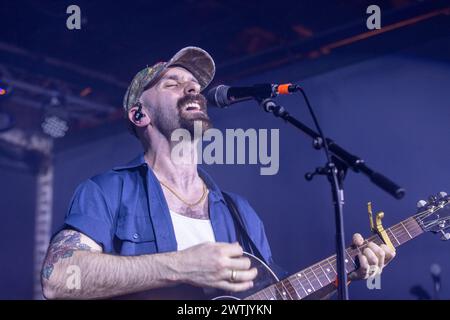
63,246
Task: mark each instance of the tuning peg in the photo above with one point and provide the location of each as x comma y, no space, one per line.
421,204
432,199
445,236
442,195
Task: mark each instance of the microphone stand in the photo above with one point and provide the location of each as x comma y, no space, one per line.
335,169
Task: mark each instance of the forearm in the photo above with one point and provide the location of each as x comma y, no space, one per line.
76,268
103,275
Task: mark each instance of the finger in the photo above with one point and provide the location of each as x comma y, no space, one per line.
363,270
371,256
234,287
241,275
389,253
358,240
379,253
241,263
232,249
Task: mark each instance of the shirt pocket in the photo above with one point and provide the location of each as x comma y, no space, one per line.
135,236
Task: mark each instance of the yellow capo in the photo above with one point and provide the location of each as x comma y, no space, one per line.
378,227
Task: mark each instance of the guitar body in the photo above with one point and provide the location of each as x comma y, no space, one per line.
265,278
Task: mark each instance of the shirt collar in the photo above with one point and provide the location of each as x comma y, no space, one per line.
139,161
136,162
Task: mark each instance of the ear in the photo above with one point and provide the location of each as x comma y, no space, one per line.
143,121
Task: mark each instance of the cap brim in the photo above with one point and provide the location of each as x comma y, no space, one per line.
197,61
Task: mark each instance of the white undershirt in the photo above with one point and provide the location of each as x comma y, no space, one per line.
190,232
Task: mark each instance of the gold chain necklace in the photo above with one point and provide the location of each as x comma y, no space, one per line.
184,201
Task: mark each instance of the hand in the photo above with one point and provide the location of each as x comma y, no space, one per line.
372,255
218,265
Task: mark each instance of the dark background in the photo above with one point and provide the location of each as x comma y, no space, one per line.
383,96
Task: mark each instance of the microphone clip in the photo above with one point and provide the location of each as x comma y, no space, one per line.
335,165
269,105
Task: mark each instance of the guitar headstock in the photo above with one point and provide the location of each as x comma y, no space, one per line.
434,215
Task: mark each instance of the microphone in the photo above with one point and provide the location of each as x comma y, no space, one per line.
222,96
435,271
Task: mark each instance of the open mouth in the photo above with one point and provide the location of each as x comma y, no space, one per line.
192,107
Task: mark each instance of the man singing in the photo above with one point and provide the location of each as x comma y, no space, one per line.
155,222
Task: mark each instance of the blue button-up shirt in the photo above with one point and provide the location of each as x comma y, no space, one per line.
125,211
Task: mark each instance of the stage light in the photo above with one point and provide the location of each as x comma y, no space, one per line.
5,89
54,126
55,120
7,120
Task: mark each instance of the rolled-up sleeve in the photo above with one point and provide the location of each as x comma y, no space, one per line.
90,214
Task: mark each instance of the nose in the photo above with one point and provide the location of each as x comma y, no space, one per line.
192,88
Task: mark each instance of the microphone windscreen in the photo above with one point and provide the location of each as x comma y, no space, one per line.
217,96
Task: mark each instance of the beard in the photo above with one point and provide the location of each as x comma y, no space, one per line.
187,118
183,119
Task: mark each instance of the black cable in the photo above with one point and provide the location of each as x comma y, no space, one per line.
316,123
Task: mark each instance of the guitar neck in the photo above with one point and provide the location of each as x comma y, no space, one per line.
323,273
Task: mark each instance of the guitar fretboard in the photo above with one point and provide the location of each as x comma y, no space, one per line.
319,275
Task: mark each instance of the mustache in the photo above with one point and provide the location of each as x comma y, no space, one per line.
192,98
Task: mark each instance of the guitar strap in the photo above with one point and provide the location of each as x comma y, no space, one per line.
241,232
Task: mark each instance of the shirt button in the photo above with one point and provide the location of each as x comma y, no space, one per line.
135,236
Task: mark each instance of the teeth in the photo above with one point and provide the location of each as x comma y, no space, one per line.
193,105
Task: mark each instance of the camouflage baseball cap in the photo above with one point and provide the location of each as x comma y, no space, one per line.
196,60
